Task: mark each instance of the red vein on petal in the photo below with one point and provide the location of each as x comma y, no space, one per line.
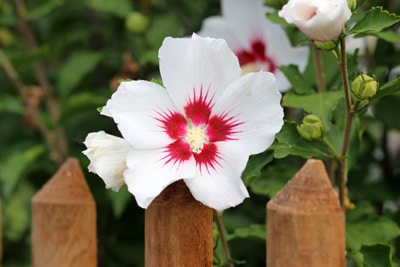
222,128
208,158
198,109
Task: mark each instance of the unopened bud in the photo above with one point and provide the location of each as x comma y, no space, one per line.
311,127
137,22
363,87
352,4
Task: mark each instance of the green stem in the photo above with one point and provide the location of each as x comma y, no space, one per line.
221,230
319,72
348,123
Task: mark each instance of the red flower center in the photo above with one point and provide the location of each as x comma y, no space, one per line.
257,55
196,132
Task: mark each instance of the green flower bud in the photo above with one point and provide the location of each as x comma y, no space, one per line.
311,127
136,22
328,45
363,87
352,4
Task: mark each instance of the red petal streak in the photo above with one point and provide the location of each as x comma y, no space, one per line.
173,123
177,152
198,109
257,54
208,158
222,128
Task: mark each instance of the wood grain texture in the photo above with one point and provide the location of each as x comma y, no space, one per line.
64,221
305,223
178,230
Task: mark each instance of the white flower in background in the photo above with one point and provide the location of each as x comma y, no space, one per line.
107,155
201,127
258,43
321,20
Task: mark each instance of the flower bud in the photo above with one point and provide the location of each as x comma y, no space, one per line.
136,22
352,4
321,20
363,87
311,127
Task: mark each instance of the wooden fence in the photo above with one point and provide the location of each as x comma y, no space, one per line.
305,224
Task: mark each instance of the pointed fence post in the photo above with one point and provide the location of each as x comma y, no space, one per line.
178,230
305,223
64,221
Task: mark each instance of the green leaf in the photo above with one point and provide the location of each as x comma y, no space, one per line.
318,104
15,165
289,142
379,255
388,36
300,85
388,88
385,109
118,8
119,200
75,69
44,8
254,166
273,179
254,231
375,20
370,231
16,212
10,104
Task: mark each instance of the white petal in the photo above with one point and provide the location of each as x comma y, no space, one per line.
134,108
107,155
222,188
254,100
148,174
217,27
319,20
188,65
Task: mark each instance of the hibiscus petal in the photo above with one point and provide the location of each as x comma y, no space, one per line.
107,155
221,187
138,108
217,27
251,24
253,103
149,173
189,66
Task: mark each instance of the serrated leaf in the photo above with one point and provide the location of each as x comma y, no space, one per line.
375,20
254,166
289,142
75,69
300,85
378,255
118,8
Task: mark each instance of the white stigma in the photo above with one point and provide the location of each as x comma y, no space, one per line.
196,137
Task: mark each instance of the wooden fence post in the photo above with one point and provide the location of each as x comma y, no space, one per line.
178,230
305,223
64,221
